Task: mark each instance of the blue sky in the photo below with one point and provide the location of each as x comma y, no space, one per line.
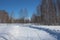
16,5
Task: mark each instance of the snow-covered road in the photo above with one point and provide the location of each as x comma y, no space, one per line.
27,32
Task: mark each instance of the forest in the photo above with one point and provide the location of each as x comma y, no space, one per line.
47,13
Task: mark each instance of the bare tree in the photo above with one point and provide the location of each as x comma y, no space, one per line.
58,10
48,10
23,14
12,14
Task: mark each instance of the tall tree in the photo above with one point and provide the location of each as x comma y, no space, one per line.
23,14
48,11
12,14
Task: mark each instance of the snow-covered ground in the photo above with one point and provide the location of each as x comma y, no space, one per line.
29,32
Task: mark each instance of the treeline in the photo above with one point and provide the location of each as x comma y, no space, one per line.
47,13
9,18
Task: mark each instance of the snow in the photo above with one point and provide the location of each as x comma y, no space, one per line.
25,32
46,26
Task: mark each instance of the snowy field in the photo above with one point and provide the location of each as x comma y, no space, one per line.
29,32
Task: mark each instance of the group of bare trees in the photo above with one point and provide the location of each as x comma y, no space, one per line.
9,18
48,13
23,16
4,18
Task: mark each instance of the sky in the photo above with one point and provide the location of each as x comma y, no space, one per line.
17,5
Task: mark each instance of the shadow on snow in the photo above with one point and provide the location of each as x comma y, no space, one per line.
51,32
